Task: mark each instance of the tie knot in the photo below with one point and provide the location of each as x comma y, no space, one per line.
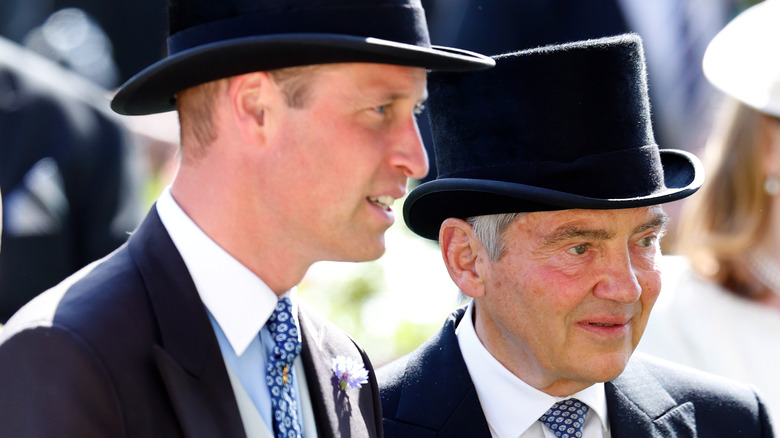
566,418
284,332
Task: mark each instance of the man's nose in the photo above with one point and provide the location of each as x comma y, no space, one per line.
410,154
619,281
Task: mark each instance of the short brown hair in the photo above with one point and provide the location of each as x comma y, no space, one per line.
295,83
195,116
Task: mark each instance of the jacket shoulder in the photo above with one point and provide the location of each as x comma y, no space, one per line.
103,292
54,384
390,377
83,351
685,383
429,392
57,348
723,407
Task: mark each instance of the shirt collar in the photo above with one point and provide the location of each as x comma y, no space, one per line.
495,385
239,300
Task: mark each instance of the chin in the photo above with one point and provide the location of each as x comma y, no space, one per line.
608,366
364,253
375,255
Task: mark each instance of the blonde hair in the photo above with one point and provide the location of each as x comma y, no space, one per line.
730,214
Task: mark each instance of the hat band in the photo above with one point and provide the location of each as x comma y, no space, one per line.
393,23
623,174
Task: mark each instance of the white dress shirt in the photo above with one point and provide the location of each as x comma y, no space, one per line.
512,407
239,303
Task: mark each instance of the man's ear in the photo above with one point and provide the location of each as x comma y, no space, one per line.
250,96
461,252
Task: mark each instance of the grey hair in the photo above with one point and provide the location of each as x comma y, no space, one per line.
489,229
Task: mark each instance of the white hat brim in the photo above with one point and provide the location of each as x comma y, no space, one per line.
742,60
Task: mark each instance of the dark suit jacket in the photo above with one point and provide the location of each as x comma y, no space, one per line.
429,393
124,348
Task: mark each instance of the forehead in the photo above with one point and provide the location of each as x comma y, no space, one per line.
376,78
606,223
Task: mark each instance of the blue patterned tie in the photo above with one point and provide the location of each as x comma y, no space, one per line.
279,371
566,418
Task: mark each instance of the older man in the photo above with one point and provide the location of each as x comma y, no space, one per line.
547,210
298,132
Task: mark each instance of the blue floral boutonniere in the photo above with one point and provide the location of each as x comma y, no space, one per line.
349,372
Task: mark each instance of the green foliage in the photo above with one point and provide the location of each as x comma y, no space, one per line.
355,297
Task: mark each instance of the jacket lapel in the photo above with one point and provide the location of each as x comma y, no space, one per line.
438,367
337,412
188,356
639,406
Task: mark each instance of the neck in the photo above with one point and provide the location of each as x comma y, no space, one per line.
238,229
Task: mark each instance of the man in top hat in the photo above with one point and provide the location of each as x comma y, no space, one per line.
298,133
547,210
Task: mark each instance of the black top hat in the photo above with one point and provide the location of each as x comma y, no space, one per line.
211,39
553,128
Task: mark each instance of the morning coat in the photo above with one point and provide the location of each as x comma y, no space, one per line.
429,393
124,348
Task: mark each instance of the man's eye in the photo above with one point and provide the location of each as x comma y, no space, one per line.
578,250
647,241
381,109
419,108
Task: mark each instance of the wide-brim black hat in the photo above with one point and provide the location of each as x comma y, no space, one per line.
553,128
212,40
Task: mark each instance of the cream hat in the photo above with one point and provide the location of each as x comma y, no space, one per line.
743,60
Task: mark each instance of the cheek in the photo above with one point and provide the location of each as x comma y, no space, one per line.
355,150
651,288
539,293
650,279
566,283
647,270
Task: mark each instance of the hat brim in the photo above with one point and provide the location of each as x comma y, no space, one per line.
429,204
153,89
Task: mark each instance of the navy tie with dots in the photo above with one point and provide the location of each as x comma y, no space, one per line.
279,371
566,418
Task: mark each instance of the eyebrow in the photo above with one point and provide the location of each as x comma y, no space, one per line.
401,92
659,220
399,96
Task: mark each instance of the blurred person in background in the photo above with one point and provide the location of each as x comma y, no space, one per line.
133,46
1,232
70,173
719,310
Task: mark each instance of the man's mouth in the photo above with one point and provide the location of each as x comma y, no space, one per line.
600,324
384,201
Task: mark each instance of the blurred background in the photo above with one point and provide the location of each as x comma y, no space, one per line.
76,178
